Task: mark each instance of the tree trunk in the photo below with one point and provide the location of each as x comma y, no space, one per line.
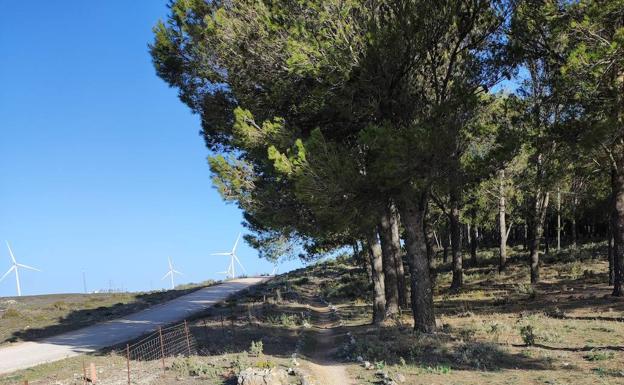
546,237
367,259
573,230
474,244
525,240
389,265
502,225
558,219
610,246
617,181
379,295
429,242
537,229
458,271
412,217
398,254
445,248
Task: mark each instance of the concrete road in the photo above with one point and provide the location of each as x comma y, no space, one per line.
26,354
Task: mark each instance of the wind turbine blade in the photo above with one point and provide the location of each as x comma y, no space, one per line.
221,254
177,272
170,265
240,264
7,273
27,267
166,275
236,243
11,252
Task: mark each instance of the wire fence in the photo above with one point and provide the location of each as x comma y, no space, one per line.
162,344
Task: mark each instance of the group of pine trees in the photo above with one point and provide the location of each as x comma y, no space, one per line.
402,127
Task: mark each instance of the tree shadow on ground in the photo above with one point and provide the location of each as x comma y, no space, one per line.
399,344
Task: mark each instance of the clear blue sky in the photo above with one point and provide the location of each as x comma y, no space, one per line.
101,166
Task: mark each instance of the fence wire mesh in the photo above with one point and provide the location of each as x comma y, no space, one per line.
158,347
141,362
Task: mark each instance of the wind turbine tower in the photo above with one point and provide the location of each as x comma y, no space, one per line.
231,270
170,273
15,268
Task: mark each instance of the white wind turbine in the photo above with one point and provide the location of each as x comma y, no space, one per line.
15,268
170,273
231,271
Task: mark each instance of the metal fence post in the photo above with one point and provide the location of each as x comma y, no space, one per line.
93,373
188,341
128,361
162,348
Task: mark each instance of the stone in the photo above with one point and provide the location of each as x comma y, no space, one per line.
400,378
367,365
273,376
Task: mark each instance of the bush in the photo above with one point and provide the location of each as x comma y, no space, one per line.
528,335
302,281
284,319
11,313
60,305
478,355
256,348
526,289
240,362
438,369
598,355
192,367
265,364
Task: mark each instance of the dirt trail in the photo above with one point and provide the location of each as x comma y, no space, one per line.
324,369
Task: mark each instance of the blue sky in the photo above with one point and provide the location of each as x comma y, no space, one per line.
102,169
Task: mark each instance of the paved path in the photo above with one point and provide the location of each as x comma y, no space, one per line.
92,338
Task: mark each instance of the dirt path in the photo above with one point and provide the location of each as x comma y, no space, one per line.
93,338
325,370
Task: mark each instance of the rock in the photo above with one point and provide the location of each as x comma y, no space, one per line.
400,378
274,376
360,359
367,365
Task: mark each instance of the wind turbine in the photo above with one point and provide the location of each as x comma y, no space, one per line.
275,269
170,273
15,268
231,270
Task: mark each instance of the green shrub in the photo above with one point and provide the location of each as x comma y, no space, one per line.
526,289
598,355
192,367
256,348
265,364
302,281
438,369
11,313
239,362
284,319
60,305
527,332
478,355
